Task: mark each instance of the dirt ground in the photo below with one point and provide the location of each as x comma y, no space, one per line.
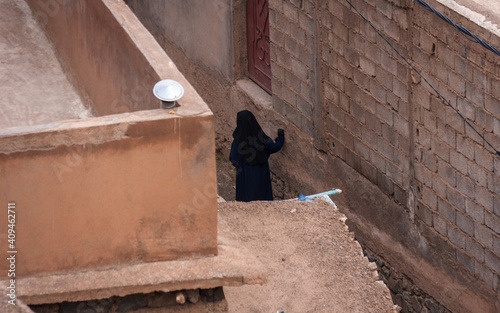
226,178
313,262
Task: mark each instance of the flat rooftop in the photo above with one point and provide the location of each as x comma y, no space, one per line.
484,13
34,88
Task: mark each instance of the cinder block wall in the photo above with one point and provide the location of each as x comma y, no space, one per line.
364,89
387,123
456,174
294,64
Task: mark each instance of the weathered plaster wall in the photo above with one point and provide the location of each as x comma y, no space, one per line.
420,187
113,190
209,22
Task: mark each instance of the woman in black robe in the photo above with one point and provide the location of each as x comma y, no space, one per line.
250,152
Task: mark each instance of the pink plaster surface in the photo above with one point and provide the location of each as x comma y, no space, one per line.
233,266
33,86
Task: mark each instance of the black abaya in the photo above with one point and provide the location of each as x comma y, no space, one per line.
253,182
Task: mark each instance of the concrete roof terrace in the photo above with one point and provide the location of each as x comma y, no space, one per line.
486,14
34,88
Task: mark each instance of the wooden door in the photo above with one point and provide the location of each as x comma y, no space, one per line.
259,59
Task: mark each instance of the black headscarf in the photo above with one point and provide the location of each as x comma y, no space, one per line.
250,139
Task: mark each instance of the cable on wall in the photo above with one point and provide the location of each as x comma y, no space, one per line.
469,35
430,85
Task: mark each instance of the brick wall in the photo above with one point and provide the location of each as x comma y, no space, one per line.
367,98
454,168
384,121
293,61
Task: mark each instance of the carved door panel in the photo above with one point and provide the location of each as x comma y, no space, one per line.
259,59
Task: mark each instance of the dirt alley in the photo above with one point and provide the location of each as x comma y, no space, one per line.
313,262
